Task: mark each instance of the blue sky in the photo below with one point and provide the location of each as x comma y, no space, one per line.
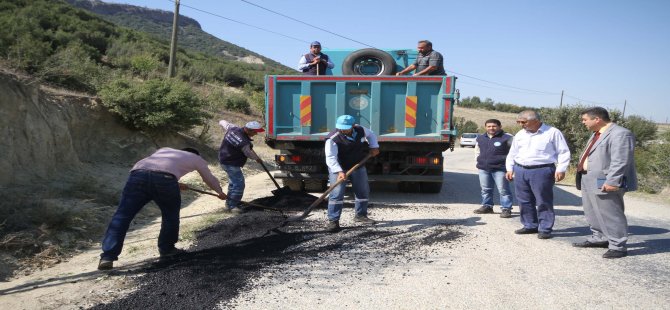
599,52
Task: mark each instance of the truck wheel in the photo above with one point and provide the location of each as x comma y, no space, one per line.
369,61
409,187
295,185
431,187
313,186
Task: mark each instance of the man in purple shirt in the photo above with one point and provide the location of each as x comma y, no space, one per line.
155,178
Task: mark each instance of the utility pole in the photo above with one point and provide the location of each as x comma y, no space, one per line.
173,43
623,115
561,105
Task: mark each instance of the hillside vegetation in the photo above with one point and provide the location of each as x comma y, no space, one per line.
159,25
62,45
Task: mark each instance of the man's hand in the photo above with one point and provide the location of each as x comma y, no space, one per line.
223,196
316,60
374,152
558,176
509,175
341,176
183,186
609,188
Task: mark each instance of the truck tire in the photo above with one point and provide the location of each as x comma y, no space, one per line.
315,186
295,185
369,61
431,187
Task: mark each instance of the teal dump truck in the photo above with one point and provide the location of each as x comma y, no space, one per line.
411,116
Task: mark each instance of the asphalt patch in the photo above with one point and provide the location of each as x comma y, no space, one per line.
230,256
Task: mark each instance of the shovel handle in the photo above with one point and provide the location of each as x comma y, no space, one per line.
269,174
330,189
244,202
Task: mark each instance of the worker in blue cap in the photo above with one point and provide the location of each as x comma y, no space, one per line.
346,146
315,62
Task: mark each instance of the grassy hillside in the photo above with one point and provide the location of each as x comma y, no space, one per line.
159,25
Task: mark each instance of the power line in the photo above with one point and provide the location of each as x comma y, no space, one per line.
503,85
505,89
511,88
242,23
304,23
593,102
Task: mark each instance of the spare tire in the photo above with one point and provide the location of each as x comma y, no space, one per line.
369,61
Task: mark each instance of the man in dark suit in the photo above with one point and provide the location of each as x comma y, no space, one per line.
607,170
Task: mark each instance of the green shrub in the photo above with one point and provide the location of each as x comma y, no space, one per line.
72,67
464,126
653,167
145,65
237,103
155,106
643,129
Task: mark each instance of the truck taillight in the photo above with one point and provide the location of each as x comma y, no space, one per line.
296,158
436,160
421,160
281,158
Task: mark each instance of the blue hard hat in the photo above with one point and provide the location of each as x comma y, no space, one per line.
345,122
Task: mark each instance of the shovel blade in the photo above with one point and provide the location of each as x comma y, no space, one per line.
297,218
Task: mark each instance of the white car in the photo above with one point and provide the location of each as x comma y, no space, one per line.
469,139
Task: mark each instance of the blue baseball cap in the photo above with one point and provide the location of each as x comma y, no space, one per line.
315,43
344,122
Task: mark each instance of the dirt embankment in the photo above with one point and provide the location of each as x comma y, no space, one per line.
64,159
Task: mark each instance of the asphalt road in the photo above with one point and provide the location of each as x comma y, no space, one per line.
488,266
427,252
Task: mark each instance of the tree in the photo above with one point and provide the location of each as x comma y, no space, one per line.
155,106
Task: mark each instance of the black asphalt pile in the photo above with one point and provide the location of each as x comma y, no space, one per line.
293,201
230,258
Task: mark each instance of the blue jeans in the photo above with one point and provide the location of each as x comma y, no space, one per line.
235,185
487,179
142,187
534,190
361,187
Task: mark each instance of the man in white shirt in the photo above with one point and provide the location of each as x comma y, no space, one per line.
346,146
538,158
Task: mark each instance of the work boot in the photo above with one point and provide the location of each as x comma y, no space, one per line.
172,252
235,210
333,226
364,219
105,264
615,254
506,213
484,210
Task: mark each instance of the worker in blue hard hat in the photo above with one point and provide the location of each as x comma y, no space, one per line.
347,145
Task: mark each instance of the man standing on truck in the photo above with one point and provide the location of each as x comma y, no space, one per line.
315,62
492,149
235,148
538,158
346,146
155,178
429,61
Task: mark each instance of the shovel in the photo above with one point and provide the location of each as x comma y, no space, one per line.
323,196
280,191
244,202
